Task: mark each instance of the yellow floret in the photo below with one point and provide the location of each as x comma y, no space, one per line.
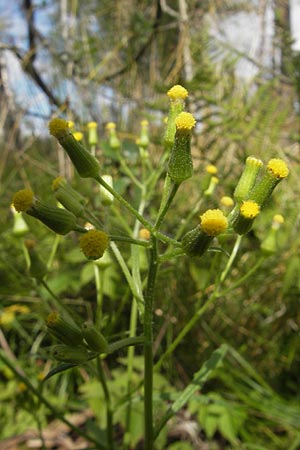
144,123
227,201
177,92
211,169
213,222
57,183
249,209
58,127
78,136
278,168
22,200
92,125
94,243
185,121
110,126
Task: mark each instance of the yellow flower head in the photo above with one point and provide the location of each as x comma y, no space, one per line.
249,209
70,124
144,123
185,121
92,125
211,169
227,201
215,180
110,126
213,222
17,308
278,168
94,243
278,219
58,127
177,92
23,200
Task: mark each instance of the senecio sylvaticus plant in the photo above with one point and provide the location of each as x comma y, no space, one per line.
80,341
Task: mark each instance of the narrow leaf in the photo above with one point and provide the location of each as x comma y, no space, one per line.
200,377
58,369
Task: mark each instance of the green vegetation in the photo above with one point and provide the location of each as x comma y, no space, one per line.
160,295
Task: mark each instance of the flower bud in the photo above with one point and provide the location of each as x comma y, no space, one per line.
93,136
243,222
20,227
211,169
57,219
68,354
177,94
143,140
23,200
269,245
212,186
248,178
212,223
95,340
68,197
180,166
94,243
227,201
84,162
106,197
114,141
63,330
276,171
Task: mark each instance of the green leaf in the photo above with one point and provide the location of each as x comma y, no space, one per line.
200,377
61,368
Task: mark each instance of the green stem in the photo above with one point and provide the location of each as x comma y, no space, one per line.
109,411
127,274
126,342
172,254
129,172
136,276
121,219
123,202
128,239
59,304
53,251
26,255
245,277
148,344
171,194
55,412
139,217
185,330
203,308
130,360
231,259
99,279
